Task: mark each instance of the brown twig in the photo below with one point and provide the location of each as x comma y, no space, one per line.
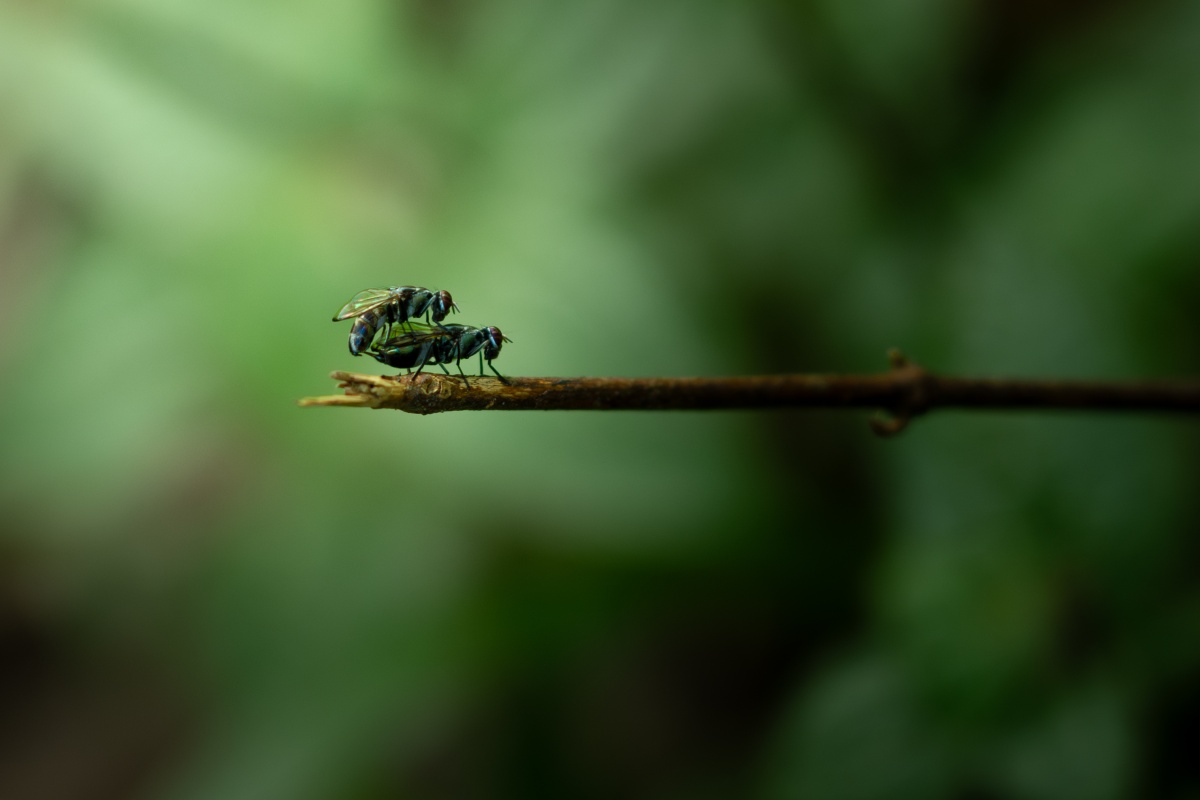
906,391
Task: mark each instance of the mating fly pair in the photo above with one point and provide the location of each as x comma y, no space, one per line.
379,312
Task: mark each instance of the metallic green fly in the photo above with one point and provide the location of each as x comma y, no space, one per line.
379,309
423,344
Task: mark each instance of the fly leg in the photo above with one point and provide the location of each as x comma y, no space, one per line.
424,357
458,364
503,379
437,360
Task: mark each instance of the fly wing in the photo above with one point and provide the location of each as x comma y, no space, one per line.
404,338
364,301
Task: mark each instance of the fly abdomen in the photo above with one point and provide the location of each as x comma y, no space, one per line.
362,332
403,357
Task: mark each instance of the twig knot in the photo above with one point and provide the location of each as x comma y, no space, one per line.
914,395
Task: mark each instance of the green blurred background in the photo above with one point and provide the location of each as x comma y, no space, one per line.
207,592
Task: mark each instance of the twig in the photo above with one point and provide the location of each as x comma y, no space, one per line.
906,391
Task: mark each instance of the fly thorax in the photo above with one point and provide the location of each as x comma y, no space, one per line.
398,305
418,302
470,343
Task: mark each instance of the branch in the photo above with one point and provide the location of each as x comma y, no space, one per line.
906,391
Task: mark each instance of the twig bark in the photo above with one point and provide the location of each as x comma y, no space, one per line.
906,391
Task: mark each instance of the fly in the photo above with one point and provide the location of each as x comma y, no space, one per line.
380,309
427,345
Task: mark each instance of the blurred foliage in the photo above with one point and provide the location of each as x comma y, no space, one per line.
206,592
